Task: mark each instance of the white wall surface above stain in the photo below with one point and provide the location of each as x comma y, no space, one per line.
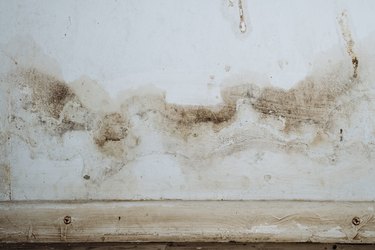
127,63
169,43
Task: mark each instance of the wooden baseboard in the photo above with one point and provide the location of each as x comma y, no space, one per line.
187,221
183,246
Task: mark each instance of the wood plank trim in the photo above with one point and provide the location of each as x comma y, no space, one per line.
187,221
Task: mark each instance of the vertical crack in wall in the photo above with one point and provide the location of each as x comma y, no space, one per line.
347,36
242,26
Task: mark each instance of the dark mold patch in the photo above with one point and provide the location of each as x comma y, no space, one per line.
310,102
48,93
193,115
186,121
58,95
49,98
190,120
180,120
112,130
67,125
59,110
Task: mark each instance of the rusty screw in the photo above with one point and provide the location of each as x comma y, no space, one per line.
356,221
67,219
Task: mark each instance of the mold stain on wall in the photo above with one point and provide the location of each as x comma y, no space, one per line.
250,116
195,133
282,116
310,102
112,130
44,105
53,100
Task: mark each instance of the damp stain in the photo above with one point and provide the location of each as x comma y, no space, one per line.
195,132
310,102
181,121
48,93
202,135
59,110
54,101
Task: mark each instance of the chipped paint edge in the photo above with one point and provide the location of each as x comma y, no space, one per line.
187,221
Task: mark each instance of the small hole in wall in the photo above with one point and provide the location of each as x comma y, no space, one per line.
334,247
86,177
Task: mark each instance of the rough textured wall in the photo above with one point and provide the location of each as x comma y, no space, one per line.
167,100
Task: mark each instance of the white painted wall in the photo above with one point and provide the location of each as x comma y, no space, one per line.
191,50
